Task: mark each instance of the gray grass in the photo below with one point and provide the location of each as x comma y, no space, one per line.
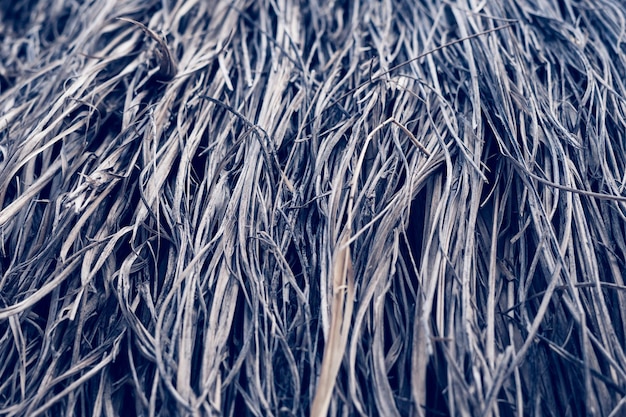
303,208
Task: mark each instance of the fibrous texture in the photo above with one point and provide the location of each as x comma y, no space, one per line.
312,208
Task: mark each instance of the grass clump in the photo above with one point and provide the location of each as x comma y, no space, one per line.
283,208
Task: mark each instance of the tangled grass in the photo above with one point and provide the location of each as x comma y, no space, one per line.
310,208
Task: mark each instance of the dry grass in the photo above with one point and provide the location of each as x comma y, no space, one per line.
292,208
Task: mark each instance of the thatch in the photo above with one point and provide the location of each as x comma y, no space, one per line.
291,208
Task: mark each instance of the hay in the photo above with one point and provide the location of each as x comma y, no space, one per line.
283,208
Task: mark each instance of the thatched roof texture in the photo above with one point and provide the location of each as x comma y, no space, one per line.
312,208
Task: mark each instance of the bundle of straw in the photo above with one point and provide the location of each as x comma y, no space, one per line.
275,208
